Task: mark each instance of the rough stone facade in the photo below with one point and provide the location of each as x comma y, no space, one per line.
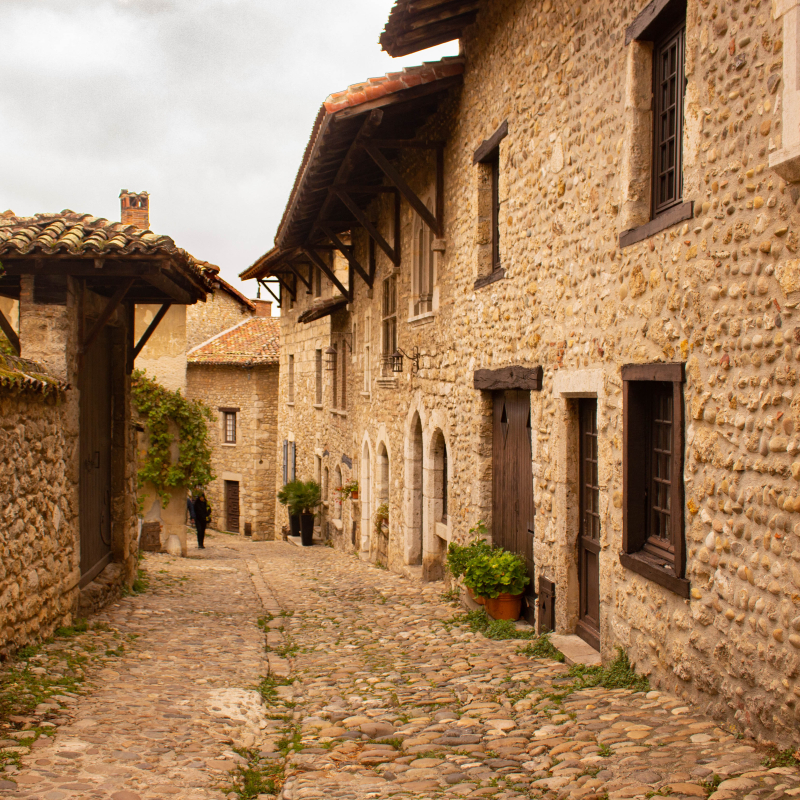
250,461
718,292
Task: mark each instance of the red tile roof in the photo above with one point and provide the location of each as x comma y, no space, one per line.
253,342
22,374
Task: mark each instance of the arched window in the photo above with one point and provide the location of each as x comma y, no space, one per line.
325,481
440,477
337,477
383,474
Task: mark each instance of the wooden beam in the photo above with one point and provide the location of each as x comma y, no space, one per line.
83,268
356,188
488,146
352,206
404,96
10,333
426,37
170,289
410,195
492,380
151,329
110,308
420,16
298,274
286,287
276,297
410,144
328,272
348,253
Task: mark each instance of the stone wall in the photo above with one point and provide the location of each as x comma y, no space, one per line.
251,460
220,312
164,355
718,292
39,530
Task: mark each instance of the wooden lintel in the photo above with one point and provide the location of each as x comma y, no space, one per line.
352,206
81,268
410,195
110,308
10,333
151,329
488,146
348,253
516,377
328,272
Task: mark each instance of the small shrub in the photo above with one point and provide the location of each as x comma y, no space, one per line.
495,573
781,758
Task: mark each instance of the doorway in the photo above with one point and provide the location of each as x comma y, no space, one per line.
414,496
232,506
512,482
588,625
95,454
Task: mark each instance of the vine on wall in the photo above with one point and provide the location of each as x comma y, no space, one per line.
162,411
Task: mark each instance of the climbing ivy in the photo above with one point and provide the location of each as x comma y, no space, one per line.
162,410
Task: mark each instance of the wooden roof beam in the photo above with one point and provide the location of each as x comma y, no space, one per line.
10,333
392,252
151,329
328,272
296,271
101,321
348,253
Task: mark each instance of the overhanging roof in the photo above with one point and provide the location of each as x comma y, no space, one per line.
324,309
389,108
415,25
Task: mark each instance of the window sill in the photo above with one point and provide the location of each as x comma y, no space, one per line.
365,394
337,523
228,444
672,216
317,405
640,564
338,412
290,404
495,275
422,319
387,383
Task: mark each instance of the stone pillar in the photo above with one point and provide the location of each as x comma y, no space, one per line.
786,161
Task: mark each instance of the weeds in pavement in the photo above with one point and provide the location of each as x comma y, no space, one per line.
480,622
394,741
268,687
605,751
79,626
541,647
451,595
782,758
619,674
260,776
711,784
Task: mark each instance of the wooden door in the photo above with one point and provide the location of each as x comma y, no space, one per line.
512,481
95,458
232,506
588,627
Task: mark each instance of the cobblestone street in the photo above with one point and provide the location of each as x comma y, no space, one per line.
369,694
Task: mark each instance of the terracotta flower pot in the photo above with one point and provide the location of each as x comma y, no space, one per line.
476,597
354,495
505,606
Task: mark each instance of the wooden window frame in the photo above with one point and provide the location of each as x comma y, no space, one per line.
488,153
388,320
228,431
637,425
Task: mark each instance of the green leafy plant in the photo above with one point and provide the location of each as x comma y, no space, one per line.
782,758
305,498
460,556
381,517
349,489
288,492
619,674
496,572
164,411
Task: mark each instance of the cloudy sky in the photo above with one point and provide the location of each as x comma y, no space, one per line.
206,104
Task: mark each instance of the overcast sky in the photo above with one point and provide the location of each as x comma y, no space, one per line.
206,104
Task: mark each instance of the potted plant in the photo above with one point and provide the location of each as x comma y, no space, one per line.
500,577
460,556
381,517
285,498
350,489
304,502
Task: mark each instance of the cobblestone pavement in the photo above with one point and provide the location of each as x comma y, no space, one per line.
369,694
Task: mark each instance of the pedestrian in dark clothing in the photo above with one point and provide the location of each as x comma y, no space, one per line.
190,509
201,514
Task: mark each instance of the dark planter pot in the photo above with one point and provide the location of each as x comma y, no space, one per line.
294,524
307,529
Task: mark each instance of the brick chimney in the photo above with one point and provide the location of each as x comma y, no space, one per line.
263,308
135,209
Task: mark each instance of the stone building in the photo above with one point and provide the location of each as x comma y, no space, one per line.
67,458
594,288
236,374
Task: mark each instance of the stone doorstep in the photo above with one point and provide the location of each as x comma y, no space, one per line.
575,650
298,542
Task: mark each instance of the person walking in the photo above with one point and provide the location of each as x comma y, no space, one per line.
190,509
201,515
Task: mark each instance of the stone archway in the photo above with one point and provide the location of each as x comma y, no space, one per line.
365,491
414,494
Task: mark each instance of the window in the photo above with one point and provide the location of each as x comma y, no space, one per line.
343,394
652,198
291,379
440,477
422,288
318,377
229,418
668,90
334,375
445,484
316,282
285,461
653,511
292,461
487,156
325,481
337,489
389,316
318,469
367,355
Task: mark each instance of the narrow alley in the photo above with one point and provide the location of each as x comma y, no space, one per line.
368,692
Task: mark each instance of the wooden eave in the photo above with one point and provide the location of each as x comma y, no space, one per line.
415,25
155,279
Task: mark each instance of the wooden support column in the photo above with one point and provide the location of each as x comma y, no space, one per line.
275,297
151,329
328,272
10,333
110,308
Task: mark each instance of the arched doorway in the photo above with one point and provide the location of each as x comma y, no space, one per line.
380,549
365,491
414,495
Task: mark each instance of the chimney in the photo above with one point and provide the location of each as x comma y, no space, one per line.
135,209
263,308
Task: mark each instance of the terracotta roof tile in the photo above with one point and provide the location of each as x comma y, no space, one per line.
23,374
255,341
